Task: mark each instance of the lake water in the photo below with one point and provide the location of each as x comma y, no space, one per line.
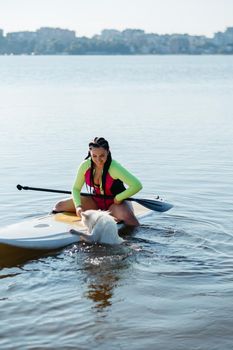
169,119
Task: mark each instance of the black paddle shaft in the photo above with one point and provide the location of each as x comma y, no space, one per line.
153,204
59,191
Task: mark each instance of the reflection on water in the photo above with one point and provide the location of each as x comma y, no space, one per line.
102,267
13,256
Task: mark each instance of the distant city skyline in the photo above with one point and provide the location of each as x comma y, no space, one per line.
58,41
90,17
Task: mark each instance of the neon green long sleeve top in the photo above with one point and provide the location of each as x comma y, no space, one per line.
116,171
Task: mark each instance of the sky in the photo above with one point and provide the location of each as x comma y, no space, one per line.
89,17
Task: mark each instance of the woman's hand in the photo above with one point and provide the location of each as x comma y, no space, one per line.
79,211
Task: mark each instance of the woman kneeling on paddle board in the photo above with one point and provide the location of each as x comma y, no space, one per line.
103,176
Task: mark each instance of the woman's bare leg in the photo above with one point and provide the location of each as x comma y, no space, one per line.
65,205
68,204
124,211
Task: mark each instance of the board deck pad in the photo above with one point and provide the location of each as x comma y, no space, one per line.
70,218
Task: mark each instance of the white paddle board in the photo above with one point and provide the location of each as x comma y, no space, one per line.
50,231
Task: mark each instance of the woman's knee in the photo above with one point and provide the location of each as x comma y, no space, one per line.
125,212
121,211
65,205
58,206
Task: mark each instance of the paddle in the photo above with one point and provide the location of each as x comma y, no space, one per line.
153,204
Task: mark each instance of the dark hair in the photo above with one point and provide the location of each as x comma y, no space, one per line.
97,143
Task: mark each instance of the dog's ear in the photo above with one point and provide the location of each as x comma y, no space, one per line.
84,215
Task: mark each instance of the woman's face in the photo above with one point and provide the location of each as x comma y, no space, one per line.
99,156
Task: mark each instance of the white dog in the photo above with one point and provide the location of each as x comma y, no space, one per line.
101,226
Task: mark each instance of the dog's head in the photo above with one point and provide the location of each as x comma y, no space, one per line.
89,218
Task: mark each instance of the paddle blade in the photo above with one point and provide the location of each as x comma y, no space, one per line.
156,205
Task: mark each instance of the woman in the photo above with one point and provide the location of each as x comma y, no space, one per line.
103,176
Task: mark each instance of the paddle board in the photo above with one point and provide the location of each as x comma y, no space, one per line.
50,231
